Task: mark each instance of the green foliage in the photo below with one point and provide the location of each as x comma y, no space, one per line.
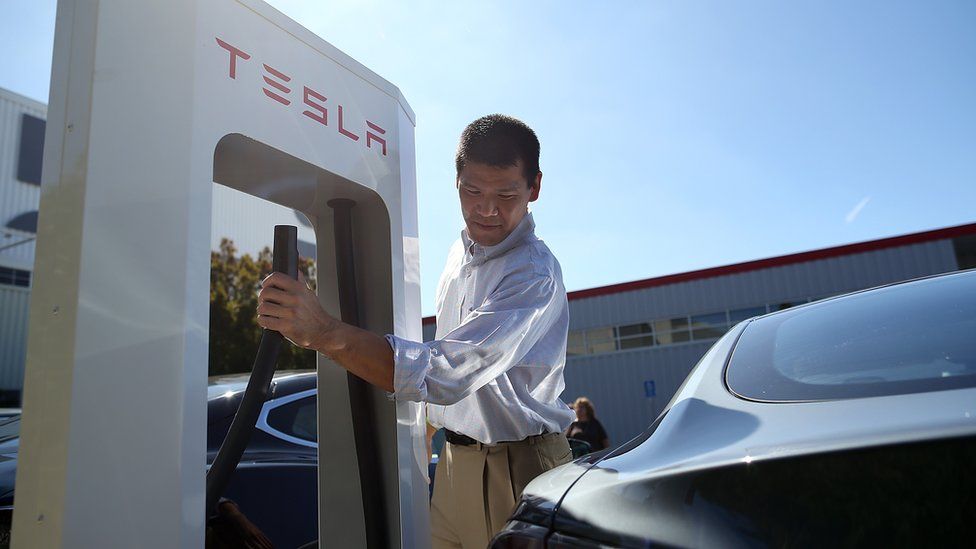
234,331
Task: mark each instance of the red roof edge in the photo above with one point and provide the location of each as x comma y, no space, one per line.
802,257
429,320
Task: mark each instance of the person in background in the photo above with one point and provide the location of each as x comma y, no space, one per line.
587,427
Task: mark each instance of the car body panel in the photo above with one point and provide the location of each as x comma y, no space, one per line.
278,495
907,494
707,428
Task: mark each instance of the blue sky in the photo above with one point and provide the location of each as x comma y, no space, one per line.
675,135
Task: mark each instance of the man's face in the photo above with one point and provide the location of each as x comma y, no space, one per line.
494,200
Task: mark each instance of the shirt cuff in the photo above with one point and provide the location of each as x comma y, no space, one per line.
411,361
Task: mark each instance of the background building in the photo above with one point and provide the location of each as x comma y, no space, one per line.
631,345
21,147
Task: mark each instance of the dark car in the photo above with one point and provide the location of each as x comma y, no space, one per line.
9,443
275,484
845,422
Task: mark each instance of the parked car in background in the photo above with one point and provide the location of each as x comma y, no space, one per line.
579,447
9,443
845,422
275,484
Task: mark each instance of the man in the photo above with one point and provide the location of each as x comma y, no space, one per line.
493,375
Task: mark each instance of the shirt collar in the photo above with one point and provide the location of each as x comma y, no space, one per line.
524,229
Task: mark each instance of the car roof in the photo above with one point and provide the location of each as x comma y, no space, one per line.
284,382
831,424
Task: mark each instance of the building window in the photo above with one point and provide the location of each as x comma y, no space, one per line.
14,277
575,343
635,336
682,329
600,340
31,149
26,222
673,330
965,248
710,326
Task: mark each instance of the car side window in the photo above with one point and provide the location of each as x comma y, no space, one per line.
297,418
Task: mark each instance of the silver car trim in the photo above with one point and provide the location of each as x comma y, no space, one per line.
262,422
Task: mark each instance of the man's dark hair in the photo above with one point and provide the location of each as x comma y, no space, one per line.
499,141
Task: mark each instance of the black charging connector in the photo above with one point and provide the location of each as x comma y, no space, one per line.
284,260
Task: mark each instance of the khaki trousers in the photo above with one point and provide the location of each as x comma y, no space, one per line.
476,487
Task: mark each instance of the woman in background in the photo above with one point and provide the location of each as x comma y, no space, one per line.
586,427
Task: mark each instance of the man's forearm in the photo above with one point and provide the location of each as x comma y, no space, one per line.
289,307
363,353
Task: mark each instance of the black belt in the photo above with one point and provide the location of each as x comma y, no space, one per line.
458,439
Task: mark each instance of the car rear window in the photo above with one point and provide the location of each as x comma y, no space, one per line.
906,338
297,419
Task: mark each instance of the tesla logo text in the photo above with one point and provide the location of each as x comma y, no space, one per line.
278,87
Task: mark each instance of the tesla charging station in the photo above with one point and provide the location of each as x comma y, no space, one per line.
151,103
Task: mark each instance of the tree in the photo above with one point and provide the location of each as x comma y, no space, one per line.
234,331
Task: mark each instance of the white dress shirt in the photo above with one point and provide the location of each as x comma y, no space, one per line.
495,370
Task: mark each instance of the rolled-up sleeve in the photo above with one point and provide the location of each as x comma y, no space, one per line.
490,340
411,361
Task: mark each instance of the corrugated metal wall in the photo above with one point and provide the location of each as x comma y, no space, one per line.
249,221
14,307
818,278
615,381
16,197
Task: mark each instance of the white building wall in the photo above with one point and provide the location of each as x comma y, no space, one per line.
16,196
16,247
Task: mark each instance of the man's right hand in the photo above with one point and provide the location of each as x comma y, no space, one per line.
289,307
